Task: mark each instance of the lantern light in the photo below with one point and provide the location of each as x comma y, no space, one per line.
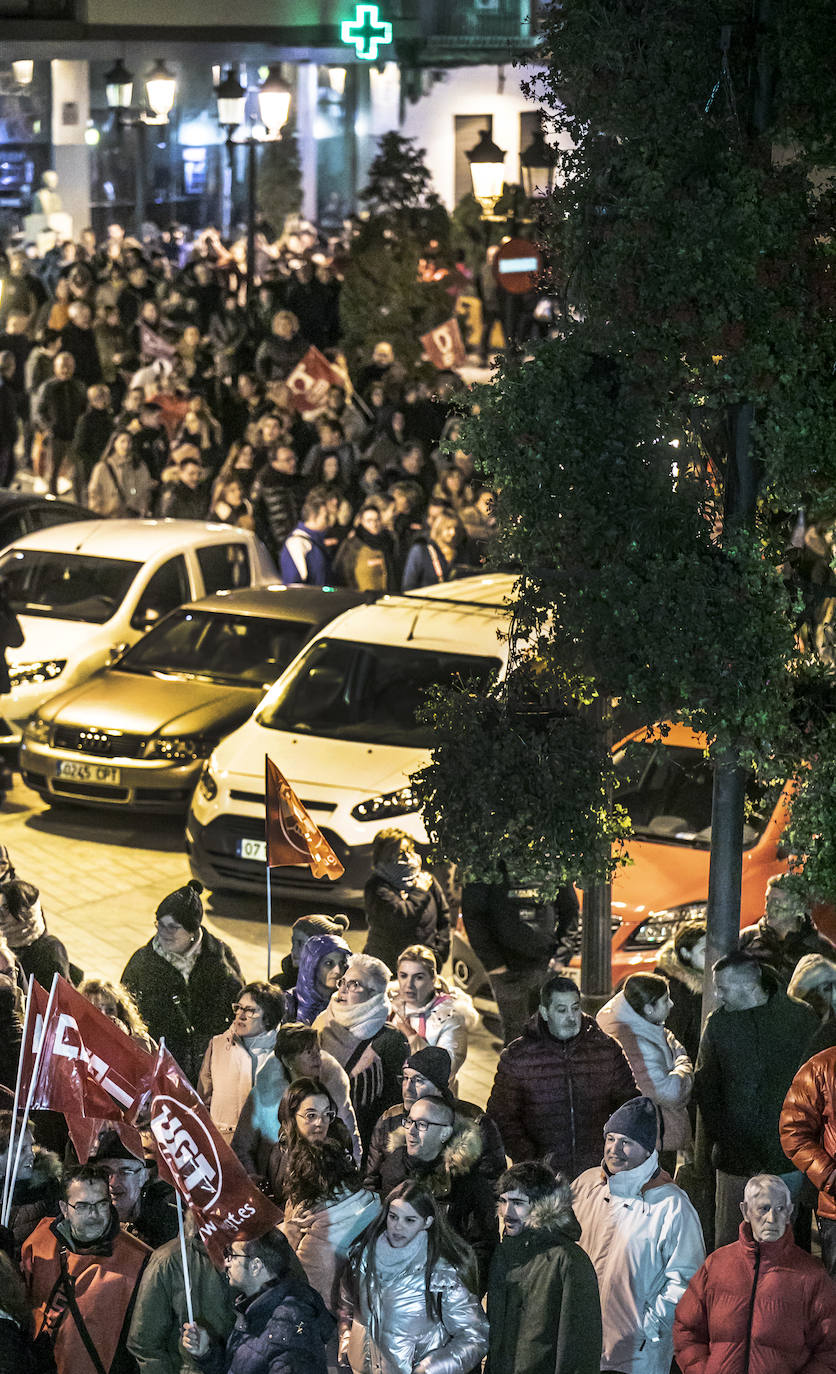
487,171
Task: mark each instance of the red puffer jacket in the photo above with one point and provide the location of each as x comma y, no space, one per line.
552,1097
808,1126
757,1309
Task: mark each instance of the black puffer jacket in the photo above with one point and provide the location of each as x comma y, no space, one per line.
189,1013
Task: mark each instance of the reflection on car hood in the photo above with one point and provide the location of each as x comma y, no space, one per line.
44,638
312,763
667,875
140,704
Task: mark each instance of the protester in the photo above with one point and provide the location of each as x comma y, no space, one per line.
785,932
81,1272
635,1017
119,485
353,1028
281,1327
404,904
23,926
426,1073
760,1304
443,1152
144,1203
644,1239
117,1003
543,1304
750,1050
300,932
37,1184
296,1054
322,963
558,1083
184,980
304,557
807,1123
814,982
408,1301
427,1010
682,961
234,1058
20,1353
313,1173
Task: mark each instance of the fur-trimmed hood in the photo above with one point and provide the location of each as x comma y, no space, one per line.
46,1170
460,1156
670,965
549,1215
812,973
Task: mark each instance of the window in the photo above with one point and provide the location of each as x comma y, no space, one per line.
224,567
66,586
667,792
168,588
368,692
242,649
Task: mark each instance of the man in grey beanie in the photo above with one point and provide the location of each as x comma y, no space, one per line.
643,1237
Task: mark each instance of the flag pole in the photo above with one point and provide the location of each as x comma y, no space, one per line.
11,1144
269,920
186,1276
36,1068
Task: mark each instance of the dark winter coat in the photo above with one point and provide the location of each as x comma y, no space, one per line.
685,984
552,1097
281,1330
745,1066
782,955
59,406
543,1303
456,1181
398,917
277,501
161,1311
90,440
276,358
35,1197
187,1014
155,1222
506,932
752,1308
20,1354
492,1160
179,501
426,565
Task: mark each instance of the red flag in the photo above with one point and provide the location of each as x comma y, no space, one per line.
292,837
444,347
310,379
196,1159
152,345
90,1069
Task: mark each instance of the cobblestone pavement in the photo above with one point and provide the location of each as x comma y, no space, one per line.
102,874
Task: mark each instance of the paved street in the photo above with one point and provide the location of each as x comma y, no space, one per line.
102,875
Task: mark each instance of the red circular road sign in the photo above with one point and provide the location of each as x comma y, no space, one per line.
517,266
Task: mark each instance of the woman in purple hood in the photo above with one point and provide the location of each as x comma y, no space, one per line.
321,966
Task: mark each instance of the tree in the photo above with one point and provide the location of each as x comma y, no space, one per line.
279,179
691,223
383,296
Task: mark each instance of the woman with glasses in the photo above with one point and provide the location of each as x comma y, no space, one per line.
408,1301
296,1054
312,1172
353,1029
184,980
233,1058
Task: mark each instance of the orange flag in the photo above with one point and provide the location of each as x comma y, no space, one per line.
292,837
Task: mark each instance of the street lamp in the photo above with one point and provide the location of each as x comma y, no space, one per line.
274,97
487,172
23,70
232,100
160,90
119,88
537,166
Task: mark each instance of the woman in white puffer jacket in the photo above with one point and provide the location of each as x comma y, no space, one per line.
635,1017
408,1301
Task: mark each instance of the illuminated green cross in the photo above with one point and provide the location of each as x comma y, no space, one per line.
366,31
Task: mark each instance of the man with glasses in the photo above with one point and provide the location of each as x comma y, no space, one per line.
282,1324
444,1151
426,1073
82,1271
144,1203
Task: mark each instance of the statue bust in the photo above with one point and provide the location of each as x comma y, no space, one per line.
47,201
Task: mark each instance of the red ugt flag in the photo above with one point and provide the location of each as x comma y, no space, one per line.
310,379
444,345
292,837
201,1166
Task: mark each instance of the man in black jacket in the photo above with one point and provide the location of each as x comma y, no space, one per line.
277,498
59,405
543,1304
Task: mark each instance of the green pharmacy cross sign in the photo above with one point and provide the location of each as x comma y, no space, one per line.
366,31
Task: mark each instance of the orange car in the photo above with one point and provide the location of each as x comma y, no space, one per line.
667,786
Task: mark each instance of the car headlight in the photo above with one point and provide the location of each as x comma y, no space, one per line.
206,784
37,730
387,804
179,748
45,671
662,924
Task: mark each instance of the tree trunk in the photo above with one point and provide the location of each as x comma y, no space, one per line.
596,948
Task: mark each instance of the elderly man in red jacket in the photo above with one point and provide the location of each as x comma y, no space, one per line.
558,1083
761,1305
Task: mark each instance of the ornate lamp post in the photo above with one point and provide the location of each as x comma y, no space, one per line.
487,172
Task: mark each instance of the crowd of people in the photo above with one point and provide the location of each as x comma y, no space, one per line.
138,379
563,1227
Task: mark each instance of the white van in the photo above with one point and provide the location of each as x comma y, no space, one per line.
340,724
84,592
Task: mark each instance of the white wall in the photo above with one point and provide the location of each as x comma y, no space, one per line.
468,91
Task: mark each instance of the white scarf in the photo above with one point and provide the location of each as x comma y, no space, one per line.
185,962
362,1021
390,1261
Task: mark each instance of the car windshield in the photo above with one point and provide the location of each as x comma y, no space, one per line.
666,790
367,692
66,586
218,647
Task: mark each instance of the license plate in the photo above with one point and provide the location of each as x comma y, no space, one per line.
89,772
253,849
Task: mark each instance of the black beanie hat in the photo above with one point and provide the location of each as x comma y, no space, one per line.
184,906
637,1119
434,1063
